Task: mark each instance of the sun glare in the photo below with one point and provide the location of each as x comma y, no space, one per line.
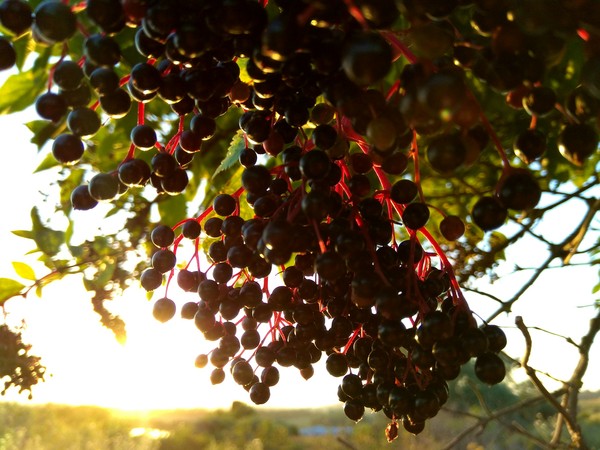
154,369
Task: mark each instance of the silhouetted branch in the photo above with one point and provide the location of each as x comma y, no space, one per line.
571,396
482,422
574,240
572,425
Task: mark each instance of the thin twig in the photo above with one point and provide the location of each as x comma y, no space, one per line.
575,383
571,421
483,421
506,306
345,443
572,243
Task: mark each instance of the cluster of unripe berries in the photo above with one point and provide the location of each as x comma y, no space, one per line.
326,204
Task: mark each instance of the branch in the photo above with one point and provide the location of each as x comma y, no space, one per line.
575,194
345,443
571,397
571,421
483,421
569,247
564,250
506,306
485,294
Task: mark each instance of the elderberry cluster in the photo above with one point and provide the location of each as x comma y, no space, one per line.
325,249
386,320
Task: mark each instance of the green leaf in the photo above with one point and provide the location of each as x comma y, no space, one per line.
43,130
8,289
23,46
238,143
47,239
27,234
48,163
69,235
24,270
172,210
21,90
66,188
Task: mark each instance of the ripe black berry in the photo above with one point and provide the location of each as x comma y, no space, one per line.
489,368
337,364
8,56
260,393
103,186
67,148
67,75
488,213
164,309
83,122
81,198
143,137
519,190
577,142
16,16
50,106
366,58
162,236
54,21
452,227
191,229
164,260
415,215
224,205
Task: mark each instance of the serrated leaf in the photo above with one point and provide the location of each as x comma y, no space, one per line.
9,288
21,90
236,146
24,270
27,234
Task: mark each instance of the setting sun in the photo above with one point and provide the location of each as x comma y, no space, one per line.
153,369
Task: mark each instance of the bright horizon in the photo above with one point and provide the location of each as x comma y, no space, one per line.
155,368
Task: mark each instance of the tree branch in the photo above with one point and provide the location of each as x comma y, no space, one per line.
571,396
483,421
506,306
572,425
571,244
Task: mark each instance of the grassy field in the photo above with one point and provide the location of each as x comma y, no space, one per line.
242,427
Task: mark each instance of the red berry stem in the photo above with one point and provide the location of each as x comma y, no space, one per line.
414,151
399,46
357,14
140,113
